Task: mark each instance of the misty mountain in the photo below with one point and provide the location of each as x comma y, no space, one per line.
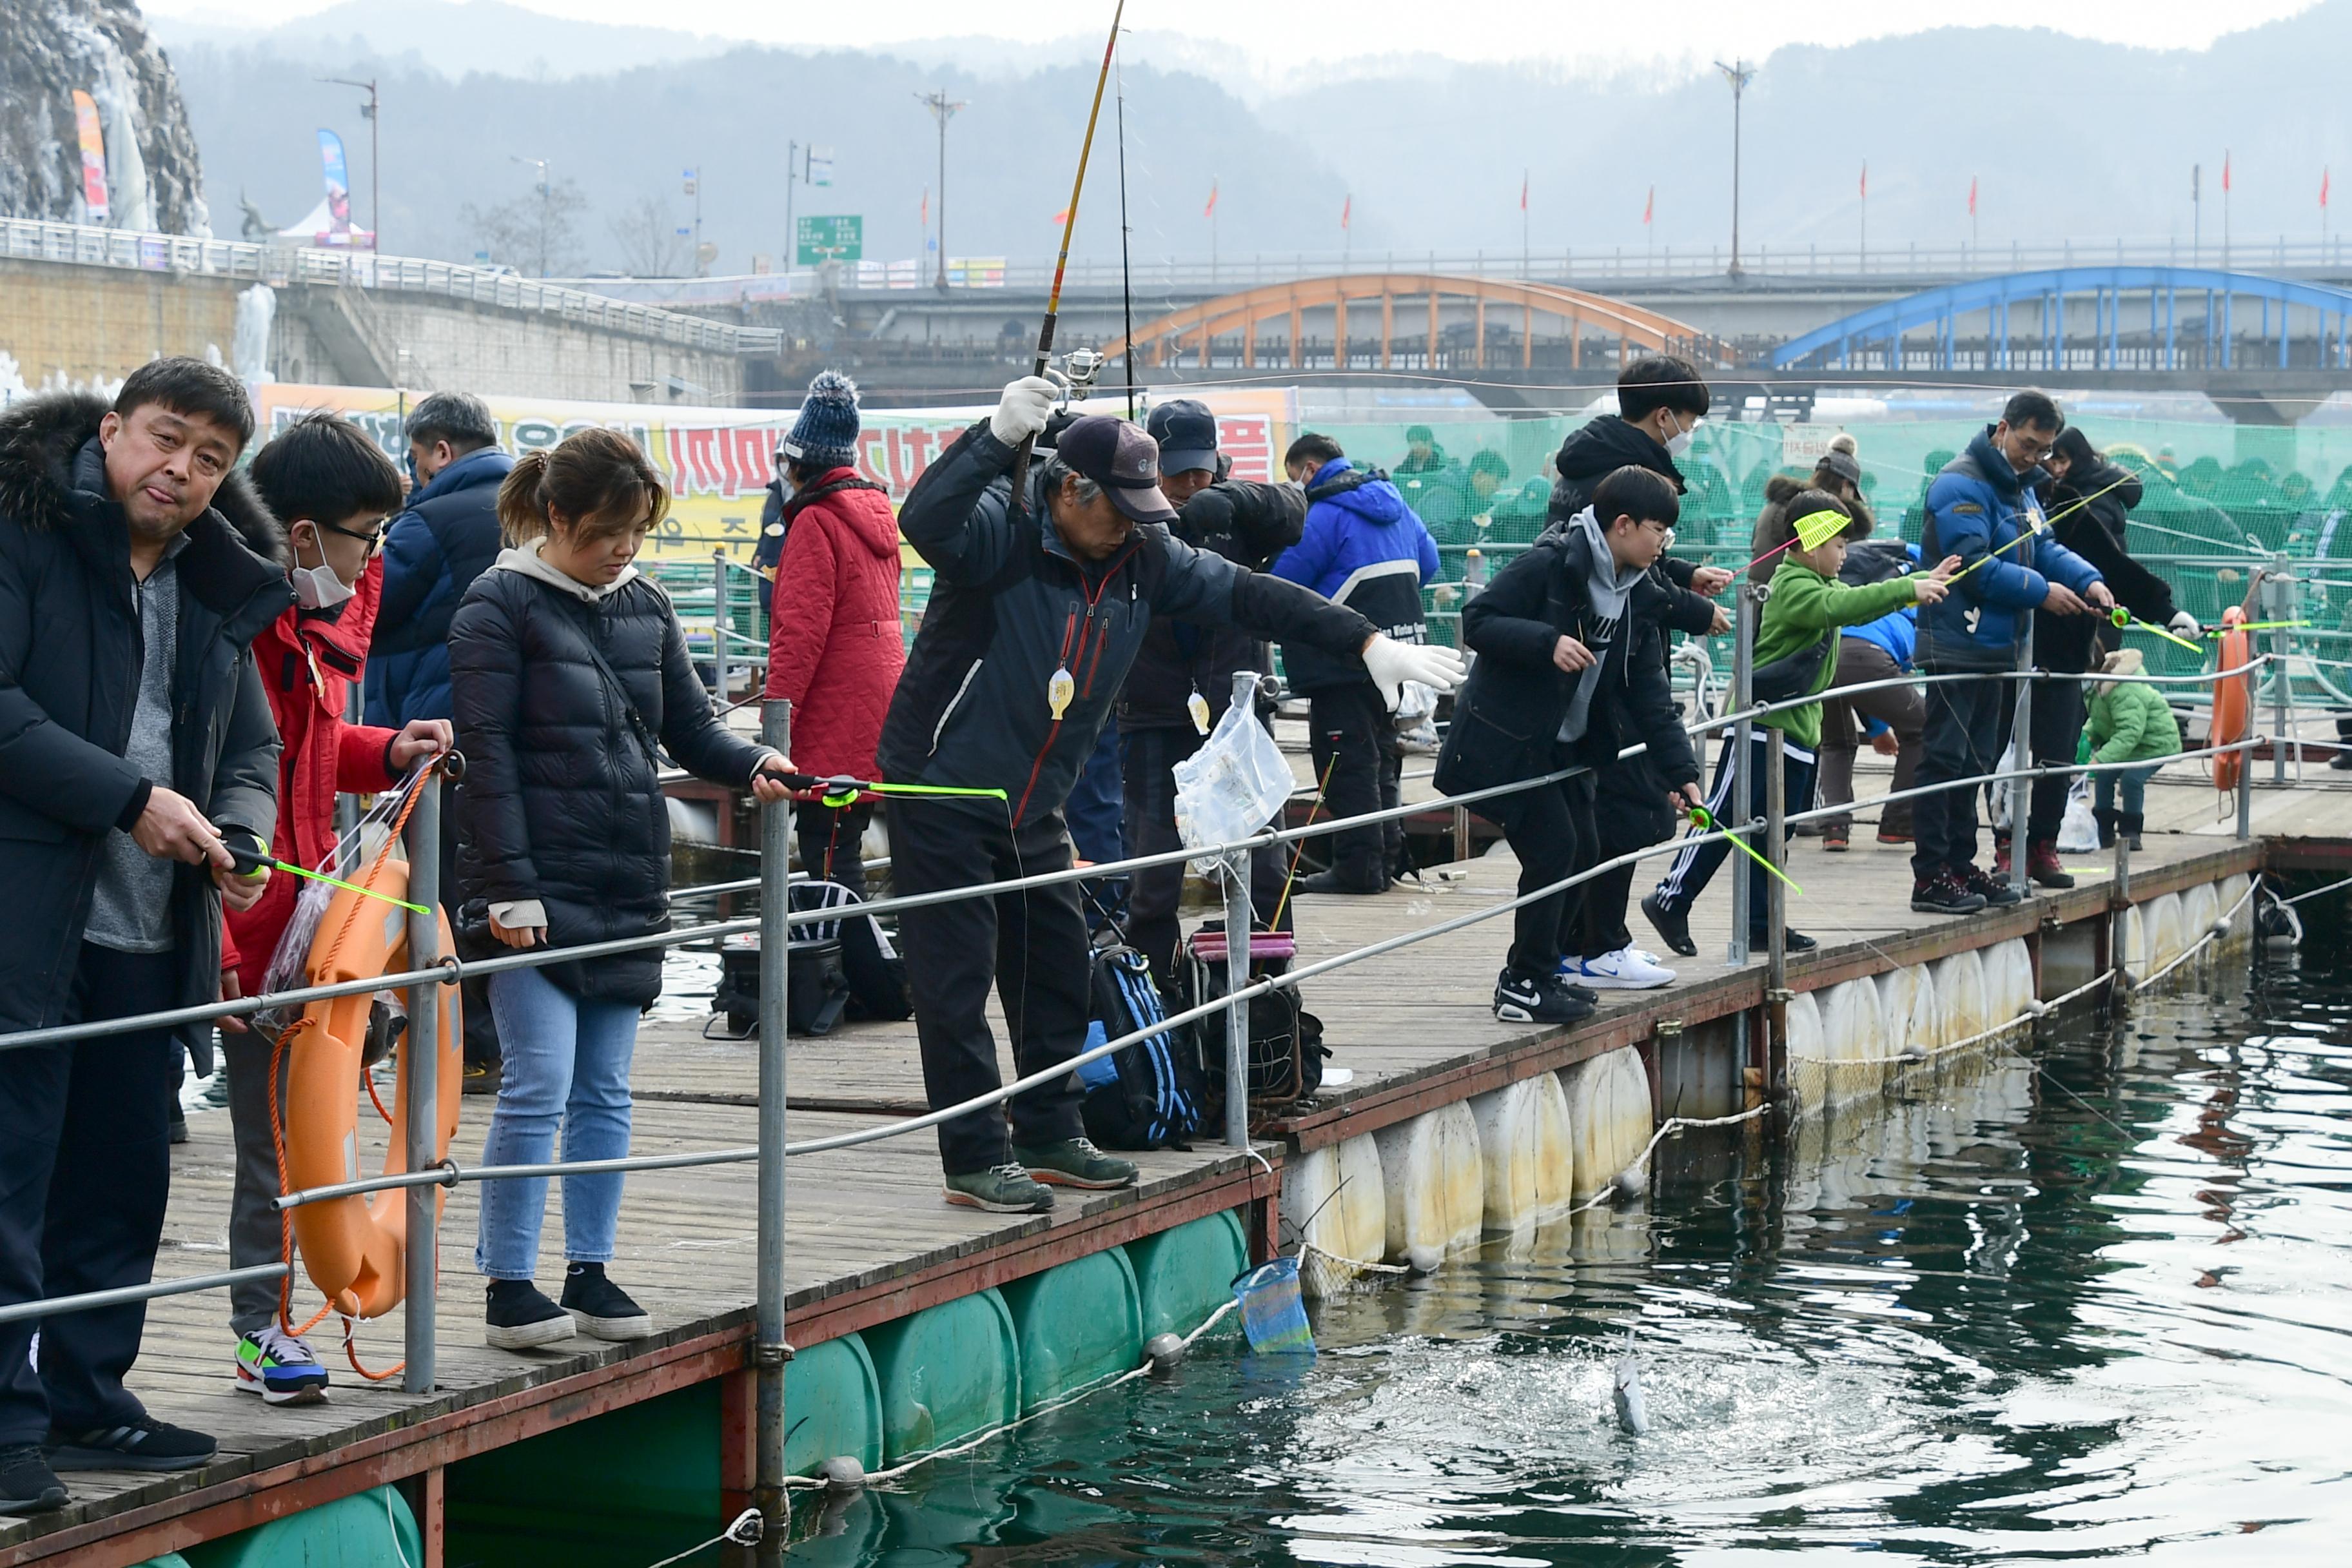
2064,138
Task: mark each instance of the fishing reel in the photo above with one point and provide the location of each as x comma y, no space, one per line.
1077,375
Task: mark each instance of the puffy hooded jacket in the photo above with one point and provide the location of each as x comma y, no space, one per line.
2130,723
1249,524
564,823
1980,506
432,554
2087,510
835,649
1362,547
1012,604
71,657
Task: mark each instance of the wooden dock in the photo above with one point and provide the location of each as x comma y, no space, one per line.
868,1238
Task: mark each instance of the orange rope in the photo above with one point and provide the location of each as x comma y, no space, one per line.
352,1354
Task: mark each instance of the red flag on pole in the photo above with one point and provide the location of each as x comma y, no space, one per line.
2323,187
1523,190
1866,180
1972,196
1211,210
2225,171
1347,208
1649,206
1061,217
927,207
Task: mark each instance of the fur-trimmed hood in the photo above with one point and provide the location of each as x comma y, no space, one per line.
41,439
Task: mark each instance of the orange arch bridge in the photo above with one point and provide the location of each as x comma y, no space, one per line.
1427,322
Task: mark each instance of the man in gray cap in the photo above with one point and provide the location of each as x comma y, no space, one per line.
1039,605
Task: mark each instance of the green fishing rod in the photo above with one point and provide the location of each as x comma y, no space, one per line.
2125,619
252,864
1702,819
2051,521
840,790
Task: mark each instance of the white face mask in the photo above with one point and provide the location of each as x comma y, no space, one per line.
318,587
1680,441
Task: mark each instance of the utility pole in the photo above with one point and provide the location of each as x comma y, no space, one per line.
546,205
943,109
693,178
376,164
1739,73
2196,213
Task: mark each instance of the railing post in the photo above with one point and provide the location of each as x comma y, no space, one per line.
2275,595
420,1060
1776,931
1750,605
2021,791
1233,871
719,683
768,1350
2119,953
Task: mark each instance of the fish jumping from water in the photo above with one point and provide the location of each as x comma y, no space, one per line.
1633,1412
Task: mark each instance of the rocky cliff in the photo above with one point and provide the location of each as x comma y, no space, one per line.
48,48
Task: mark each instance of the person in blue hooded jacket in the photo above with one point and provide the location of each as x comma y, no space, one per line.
1362,547
1981,508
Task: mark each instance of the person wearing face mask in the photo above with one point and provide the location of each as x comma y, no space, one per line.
331,489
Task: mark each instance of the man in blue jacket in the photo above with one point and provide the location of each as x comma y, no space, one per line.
1362,547
1982,506
432,554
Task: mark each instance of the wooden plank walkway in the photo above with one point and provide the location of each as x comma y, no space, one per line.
868,1238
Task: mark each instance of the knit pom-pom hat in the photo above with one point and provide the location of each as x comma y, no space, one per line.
825,434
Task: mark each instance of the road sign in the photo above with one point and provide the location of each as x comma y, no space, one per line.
820,239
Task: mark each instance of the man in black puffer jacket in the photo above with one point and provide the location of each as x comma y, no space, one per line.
1037,612
1184,663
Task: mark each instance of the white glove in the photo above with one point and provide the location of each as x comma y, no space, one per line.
1391,663
2184,624
1021,411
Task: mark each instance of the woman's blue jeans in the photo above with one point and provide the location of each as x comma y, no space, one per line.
567,1067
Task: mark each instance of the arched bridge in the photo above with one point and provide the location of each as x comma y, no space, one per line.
2091,319
1409,321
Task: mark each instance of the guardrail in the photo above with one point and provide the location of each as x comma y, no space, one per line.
28,239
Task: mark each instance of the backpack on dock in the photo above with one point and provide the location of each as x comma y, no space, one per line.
1150,1094
842,968
1286,1048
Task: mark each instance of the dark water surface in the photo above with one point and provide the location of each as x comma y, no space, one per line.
2098,1311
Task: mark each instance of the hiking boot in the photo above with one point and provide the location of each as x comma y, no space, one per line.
520,1317
1790,940
1673,925
484,1078
27,1485
279,1367
1624,970
1943,893
601,1307
1004,1189
2129,824
1894,834
2106,821
1997,893
1544,1000
1835,839
1337,881
145,1444
1074,1162
2001,867
2042,864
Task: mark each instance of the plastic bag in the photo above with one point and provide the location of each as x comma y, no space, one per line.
2003,790
2079,833
1233,785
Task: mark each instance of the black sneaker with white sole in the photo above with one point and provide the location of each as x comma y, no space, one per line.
145,1444
601,1307
27,1485
1519,999
1996,893
520,1317
1673,925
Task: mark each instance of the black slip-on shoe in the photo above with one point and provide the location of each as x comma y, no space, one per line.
145,1444
1673,925
27,1485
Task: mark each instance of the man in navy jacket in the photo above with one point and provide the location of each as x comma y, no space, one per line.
1362,547
1981,508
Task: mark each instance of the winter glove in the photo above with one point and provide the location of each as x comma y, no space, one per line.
1391,663
1021,412
2184,624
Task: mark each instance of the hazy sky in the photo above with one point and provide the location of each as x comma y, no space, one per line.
1280,38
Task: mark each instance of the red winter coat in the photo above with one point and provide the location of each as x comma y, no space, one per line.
835,649
308,665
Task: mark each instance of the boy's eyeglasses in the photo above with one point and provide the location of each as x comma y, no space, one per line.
375,540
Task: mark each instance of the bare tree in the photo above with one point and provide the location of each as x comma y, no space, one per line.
535,232
649,240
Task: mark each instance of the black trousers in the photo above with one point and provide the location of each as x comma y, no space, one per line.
1550,829
1350,734
1154,892
1693,868
2056,723
85,1169
832,842
1967,729
1629,813
1033,946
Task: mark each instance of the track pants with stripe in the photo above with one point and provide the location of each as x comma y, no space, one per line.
1695,865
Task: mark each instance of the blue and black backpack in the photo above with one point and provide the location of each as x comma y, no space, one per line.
1151,1094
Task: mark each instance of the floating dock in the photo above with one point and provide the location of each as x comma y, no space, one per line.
915,1324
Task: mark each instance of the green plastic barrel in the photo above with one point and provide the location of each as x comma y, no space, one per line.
945,1374
833,1406
1076,1325
373,1529
1184,1275
616,1490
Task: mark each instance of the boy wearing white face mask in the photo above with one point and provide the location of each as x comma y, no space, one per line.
332,489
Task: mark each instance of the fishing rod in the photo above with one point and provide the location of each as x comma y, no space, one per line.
2042,523
1062,266
252,864
2124,619
840,789
1703,820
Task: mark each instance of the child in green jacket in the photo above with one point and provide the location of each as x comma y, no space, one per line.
2129,723
1806,608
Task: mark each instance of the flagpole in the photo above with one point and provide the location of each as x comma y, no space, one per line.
1862,245
1525,270
2225,210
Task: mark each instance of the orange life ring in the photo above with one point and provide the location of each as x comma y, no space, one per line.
351,1247
2231,700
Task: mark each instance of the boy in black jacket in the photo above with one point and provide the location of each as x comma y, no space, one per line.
1570,672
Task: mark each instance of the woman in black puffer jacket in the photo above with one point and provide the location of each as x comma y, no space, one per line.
566,666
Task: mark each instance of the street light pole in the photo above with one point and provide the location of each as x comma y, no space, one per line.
546,205
376,164
1739,73
943,109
